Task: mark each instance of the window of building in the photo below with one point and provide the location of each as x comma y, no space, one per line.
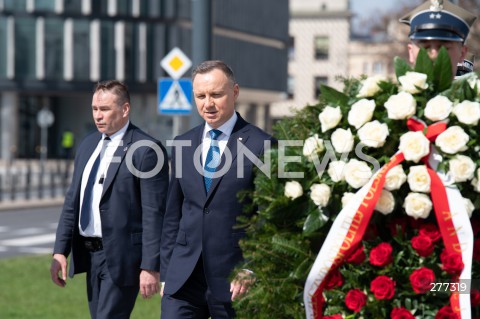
319,80
291,87
26,44
81,49
3,47
378,68
124,7
72,6
107,60
16,5
54,48
291,48
45,5
321,48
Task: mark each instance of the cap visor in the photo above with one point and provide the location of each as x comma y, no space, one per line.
436,35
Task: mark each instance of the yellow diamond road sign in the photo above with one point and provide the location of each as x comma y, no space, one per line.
176,63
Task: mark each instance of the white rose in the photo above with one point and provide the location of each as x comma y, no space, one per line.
467,112
417,205
361,112
370,86
312,146
401,106
386,203
357,173
320,194
395,178
293,189
414,146
418,179
342,140
469,207
373,134
461,168
330,117
336,171
346,198
476,181
413,82
438,108
453,140
474,82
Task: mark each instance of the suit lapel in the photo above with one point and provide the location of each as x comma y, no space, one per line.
237,140
118,158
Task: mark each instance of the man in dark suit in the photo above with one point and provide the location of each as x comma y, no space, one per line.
200,238
112,216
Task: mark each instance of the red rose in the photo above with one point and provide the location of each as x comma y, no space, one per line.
334,279
476,249
475,297
423,245
422,279
383,287
355,300
452,262
446,312
430,230
401,313
333,317
381,255
357,256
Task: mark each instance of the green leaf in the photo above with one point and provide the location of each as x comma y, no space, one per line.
332,96
442,71
314,221
424,64
401,67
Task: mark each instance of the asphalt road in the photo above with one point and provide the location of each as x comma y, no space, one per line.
28,232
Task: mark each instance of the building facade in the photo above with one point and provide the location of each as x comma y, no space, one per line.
52,52
318,51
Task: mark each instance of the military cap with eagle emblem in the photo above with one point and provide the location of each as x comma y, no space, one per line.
439,20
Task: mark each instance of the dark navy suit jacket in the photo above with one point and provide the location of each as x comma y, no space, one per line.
198,223
131,209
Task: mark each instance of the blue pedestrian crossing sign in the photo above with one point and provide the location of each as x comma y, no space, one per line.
174,96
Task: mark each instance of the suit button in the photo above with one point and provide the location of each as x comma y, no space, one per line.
206,211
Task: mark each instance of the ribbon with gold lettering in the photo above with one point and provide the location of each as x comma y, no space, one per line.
350,225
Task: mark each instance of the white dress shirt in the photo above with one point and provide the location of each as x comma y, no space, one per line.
226,129
94,229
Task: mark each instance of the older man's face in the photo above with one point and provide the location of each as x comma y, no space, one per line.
456,50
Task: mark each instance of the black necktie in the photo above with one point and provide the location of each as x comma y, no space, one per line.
88,193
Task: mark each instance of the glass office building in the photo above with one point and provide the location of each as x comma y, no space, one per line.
52,52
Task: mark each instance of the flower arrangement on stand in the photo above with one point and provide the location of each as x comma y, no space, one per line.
402,264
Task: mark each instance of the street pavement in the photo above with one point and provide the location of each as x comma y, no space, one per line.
28,231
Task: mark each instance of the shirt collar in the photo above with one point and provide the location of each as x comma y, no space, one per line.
226,127
118,135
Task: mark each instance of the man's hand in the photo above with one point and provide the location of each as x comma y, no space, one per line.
149,283
59,263
241,284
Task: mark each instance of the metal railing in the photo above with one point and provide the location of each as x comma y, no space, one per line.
27,179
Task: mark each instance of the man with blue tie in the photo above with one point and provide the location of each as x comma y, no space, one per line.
113,212
200,234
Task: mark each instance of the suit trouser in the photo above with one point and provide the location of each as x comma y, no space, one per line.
106,300
195,301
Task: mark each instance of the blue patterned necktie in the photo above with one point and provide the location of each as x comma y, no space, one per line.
88,192
212,160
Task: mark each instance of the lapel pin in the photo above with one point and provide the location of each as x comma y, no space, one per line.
240,138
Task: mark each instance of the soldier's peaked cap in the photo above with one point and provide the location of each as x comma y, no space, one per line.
439,20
